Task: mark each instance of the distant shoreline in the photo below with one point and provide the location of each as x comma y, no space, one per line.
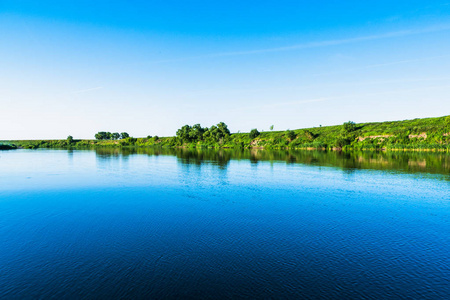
427,134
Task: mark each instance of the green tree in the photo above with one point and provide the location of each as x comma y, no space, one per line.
184,133
196,132
221,132
213,133
223,129
115,136
207,135
101,135
253,133
349,126
271,127
69,139
124,135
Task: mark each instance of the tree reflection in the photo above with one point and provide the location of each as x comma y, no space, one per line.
410,162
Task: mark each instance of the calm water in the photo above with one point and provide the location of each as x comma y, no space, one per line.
229,224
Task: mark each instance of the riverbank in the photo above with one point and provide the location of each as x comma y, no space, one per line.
427,134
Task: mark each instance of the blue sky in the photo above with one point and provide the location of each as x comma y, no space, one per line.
149,67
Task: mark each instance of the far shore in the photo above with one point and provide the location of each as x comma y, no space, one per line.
427,134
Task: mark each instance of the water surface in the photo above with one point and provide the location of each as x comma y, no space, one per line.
236,224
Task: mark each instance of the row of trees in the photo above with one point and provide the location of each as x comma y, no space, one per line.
197,133
103,135
221,134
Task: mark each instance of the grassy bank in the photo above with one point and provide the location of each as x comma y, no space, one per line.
418,134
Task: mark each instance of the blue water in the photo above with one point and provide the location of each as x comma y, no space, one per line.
99,224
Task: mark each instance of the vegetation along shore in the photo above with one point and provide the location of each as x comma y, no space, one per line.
417,134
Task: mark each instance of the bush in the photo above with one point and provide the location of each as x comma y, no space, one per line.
254,133
290,134
349,126
341,141
447,121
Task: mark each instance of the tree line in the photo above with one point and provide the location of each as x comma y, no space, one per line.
197,133
103,135
429,133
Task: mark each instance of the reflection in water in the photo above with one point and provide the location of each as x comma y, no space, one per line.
410,162
70,156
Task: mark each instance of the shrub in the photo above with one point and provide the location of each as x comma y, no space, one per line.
254,133
349,126
290,134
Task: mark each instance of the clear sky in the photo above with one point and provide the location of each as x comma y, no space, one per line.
149,67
